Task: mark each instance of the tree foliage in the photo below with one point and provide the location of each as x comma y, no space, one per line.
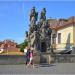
23,45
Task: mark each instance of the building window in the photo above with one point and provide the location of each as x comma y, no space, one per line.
53,38
59,38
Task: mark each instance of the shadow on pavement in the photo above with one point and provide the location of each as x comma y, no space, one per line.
46,65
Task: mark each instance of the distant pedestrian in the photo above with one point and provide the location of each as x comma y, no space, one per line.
30,58
25,50
26,53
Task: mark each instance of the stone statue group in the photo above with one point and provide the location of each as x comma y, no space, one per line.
39,30
34,16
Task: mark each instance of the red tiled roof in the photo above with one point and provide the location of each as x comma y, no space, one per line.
69,22
65,25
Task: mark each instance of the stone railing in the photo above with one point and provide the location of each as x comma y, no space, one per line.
38,58
63,58
56,58
12,59
17,59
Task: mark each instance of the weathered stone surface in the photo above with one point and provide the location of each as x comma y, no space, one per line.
39,36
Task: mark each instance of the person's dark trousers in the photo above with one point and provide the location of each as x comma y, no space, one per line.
27,60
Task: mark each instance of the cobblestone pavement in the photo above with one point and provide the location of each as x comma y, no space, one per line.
58,68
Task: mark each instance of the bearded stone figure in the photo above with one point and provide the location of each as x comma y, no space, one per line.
43,15
33,16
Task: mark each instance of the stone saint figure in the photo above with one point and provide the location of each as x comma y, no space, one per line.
26,33
33,16
43,14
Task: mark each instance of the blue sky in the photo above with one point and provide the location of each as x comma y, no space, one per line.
14,15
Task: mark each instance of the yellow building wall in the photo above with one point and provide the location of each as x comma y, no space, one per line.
74,34
66,37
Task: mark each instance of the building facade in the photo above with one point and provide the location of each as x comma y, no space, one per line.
65,35
9,47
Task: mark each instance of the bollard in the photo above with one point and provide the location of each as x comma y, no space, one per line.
49,58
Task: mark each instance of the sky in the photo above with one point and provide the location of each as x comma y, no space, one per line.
14,16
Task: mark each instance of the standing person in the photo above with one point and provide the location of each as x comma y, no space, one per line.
30,57
25,50
26,54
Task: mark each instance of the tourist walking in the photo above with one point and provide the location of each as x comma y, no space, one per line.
30,58
26,53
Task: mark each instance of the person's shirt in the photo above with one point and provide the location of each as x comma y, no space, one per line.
31,55
25,51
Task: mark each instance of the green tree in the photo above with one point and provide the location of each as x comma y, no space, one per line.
23,45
